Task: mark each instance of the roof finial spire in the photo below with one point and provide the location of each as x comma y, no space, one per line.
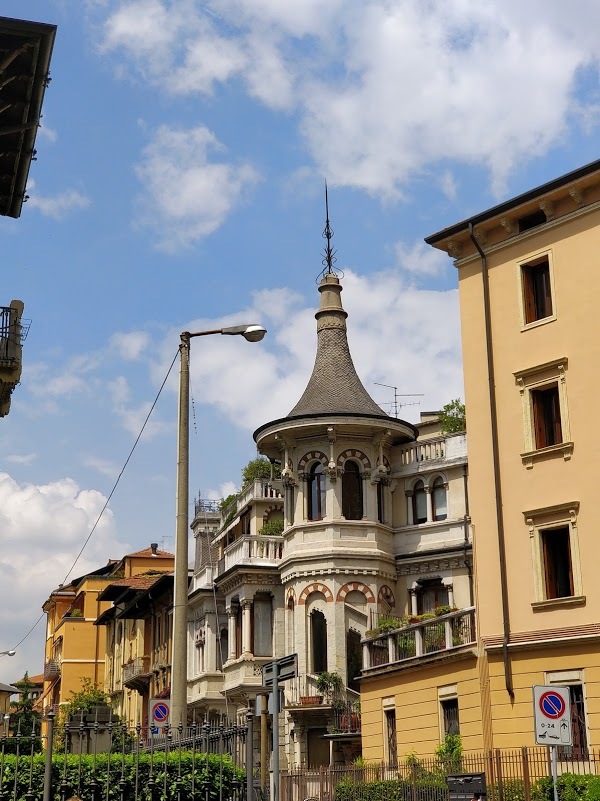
329,254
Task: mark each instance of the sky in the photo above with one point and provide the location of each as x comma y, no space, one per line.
179,185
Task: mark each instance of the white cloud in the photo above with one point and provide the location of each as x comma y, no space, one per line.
56,206
109,469
51,521
399,334
132,417
131,345
187,196
21,458
224,491
419,258
384,91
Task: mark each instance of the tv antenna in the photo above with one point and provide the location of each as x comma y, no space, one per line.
396,405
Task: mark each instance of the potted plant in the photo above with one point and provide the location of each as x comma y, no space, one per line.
311,700
329,683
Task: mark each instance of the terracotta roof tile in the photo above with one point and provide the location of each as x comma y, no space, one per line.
138,582
149,552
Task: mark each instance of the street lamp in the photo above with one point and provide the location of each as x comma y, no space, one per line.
252,333
8,653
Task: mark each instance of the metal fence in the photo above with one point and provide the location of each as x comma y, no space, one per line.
102,760
519,775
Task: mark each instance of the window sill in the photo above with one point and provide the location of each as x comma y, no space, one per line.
537,323
553,603
529,457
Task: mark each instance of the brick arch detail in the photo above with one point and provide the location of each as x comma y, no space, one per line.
352,453
316,586
291,593
312,456
385,594
360,587
274,507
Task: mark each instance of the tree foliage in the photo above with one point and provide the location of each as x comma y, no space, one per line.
453,418
259,469
25,720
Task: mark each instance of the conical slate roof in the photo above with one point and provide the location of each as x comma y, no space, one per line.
334,386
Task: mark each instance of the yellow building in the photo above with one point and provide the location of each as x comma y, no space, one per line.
528,284
75,647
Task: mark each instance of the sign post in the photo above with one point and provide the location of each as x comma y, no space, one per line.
160,713
274,672
552,721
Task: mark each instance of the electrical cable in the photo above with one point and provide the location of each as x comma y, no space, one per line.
114,487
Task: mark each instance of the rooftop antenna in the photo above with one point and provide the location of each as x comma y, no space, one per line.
329,254
397,395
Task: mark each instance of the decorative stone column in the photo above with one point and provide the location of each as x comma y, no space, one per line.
413,601
450,588
247,627
409,508
231,632
429,504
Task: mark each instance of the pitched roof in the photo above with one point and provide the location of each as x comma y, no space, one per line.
152,553
334,386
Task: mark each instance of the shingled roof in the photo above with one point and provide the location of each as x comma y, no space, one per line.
334,386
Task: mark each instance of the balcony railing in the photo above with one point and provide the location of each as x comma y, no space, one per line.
346,717
252,550
447,448
303,692
51,669
255,491
13,331
420,639
137,668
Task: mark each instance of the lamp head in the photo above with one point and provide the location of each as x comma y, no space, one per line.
251,332
8,653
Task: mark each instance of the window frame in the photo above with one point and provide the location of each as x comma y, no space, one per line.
541,523
416,489
534,379
316,476
570,679
447,695
524,266
438,483
352,489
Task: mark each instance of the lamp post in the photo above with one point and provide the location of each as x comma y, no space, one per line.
8,653
252,333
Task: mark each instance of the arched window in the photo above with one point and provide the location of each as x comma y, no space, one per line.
380,505
440,502
316,492
419,503
318,626
352,495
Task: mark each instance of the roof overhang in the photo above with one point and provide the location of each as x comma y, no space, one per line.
25,52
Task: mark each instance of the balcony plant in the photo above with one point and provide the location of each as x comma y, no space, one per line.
329,683
272,528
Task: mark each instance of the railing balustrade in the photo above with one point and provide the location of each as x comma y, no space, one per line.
252,548
139,666
442,633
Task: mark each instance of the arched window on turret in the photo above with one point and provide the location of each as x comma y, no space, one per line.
316,492
352,494
319,643
419,503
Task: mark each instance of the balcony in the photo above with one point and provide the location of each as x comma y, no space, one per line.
440,634
252,551
420,455
51,670
13,331
255,491
137,673
243,674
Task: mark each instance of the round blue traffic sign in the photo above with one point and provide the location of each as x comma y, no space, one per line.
160,713
552,705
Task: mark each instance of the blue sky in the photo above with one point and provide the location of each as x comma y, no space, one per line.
179,185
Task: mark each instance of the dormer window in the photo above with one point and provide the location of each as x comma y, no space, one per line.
352,495
316,492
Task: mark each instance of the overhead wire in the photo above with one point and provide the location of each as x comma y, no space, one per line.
114,487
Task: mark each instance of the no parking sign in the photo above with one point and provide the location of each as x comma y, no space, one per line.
160,714
552,715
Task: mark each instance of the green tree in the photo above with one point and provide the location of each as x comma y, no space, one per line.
25,719
452,418
259,469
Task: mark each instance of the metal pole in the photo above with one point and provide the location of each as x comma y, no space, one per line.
263,743
554,772
275,731
249,753
48,766
180,610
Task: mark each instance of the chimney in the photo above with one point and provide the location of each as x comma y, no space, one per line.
154,547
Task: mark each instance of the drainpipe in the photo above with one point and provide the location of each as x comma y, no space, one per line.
466,521
496,462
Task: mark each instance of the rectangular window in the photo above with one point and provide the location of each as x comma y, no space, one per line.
546,416
537,293
558,572
390,737
450,716
579,749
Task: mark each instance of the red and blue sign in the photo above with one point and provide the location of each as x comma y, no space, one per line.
160,712
552,705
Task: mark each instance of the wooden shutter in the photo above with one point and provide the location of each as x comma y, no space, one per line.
555,411
528,295
539,429
549,566
547,291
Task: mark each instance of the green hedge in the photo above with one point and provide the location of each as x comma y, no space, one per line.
81,773
430,789
571,787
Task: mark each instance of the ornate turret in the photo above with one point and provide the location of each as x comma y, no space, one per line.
334,386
